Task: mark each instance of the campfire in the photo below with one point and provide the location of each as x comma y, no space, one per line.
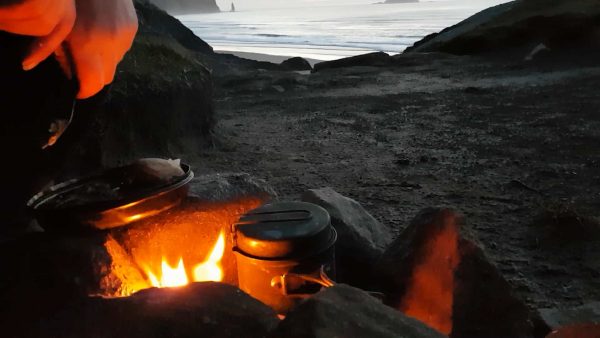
281,254
185,245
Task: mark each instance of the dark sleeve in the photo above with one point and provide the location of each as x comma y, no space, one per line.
29,103
10,2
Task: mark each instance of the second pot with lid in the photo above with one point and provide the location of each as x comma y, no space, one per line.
285,252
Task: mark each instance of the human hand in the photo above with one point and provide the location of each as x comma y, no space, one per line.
103,33
49,20
97,32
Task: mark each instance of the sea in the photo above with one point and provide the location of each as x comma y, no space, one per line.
326,29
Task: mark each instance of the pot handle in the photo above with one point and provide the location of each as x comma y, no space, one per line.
283,282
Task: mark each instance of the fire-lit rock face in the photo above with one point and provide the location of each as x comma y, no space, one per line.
420,267
430,292
188,244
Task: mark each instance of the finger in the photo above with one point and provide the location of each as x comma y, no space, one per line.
90,72
125,42
110,66
45,46
33,18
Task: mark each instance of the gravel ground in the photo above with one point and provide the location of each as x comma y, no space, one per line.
514,147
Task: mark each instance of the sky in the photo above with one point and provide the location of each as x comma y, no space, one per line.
252,4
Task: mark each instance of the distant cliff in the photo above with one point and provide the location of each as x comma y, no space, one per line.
176,7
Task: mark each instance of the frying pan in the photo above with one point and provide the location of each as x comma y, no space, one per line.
71,206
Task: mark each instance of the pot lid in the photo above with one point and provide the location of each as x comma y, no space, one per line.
289,230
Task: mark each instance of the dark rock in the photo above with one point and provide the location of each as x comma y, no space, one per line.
484,305
587,313
156,22
42,273
520,26
343,311
296,63
432,42
422,261
376,59
577,331
230,186
176,7
197,310
562,224
161,101
434,273
361,238
403,161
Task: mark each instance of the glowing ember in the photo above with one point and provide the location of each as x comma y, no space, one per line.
208,271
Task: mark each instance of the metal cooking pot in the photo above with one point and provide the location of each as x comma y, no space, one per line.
285,253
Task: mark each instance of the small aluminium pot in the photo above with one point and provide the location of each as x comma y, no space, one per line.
285,253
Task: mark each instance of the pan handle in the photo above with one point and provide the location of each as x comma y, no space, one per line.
284,282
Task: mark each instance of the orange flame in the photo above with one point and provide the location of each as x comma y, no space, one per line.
209,270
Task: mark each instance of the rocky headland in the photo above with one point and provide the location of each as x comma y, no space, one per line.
520,26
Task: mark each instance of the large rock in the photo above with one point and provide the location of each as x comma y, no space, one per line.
42,273
343,311
563,225
484,304
433,272
520,26
187,6
376,59
230,186
361,238
197,310
160,104
577,331
296,63
585,314
156,22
